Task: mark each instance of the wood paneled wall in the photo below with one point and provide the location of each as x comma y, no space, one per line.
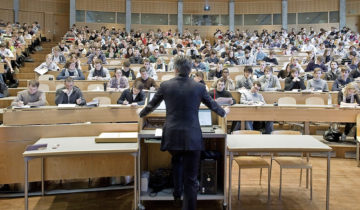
258,7
312,6
6,4
7,15
101,5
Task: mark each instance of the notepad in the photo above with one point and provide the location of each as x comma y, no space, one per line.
123,137
66,105
36,147
21,107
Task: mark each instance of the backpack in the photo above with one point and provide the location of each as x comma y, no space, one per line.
332,135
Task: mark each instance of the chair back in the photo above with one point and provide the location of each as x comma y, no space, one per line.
238,77
246,132
314,101
58,86
286,132
46,77
44,87
287,100
103,100
95,87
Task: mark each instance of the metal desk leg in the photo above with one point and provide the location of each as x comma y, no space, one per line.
307,170
357,152
225,177
42,177
26,183
135,179
307,128
328,181
230,171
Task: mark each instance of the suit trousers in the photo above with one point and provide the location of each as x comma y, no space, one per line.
185,166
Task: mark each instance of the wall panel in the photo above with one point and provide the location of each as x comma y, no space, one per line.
198,8
312,6
353,7
6,4
156,7
258,7
51,6
101,5
7,15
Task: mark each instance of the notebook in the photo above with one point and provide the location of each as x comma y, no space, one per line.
162,105
205,121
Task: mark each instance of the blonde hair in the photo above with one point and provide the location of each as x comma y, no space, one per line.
351,85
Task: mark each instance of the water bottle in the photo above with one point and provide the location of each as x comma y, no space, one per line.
305,77
329,99
105,86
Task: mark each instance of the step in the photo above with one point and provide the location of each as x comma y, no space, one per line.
14,91
23,83
6,102
28,76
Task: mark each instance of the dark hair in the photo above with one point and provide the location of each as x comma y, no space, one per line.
257,83
34,83
126,63
138,85
248,69
142,69
68,80
200,74
182,64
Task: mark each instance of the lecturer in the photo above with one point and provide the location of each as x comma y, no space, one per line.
182,135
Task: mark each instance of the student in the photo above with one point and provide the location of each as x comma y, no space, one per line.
354,74
220,92
217,71
349,96
294,81
57,56
70,70
260,71
148,82
118,82
98,72
3,88
149,70
32,96
229,83
127,71
246,81
49,64
284,73
253,97
342,80
268,81
199,77
247,59
69,94
271,59
319,63
317,84
334,72
134,96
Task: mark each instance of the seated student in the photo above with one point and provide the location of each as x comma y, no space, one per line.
229,83
216,72
349,96
136,58
70,70
269,82
98,72
149,70
271,59
260,71
69,94
198,65
334,72
220,92
32,96
284,73
9,73
230,58
155,56
212,59
253,97
354,74
98,55
342,80
148,82
199,77
318,63
57,56
127,71
134,96
3,88
118,82
246,81
317,84
294,81
247,59
49,64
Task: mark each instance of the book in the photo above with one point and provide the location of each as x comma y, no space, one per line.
123,137
36,147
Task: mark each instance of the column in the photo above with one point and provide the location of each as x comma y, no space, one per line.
284,14
128,16
16,10
342,14
231,15
180,16
72,12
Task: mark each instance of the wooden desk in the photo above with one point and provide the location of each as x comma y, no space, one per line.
296,113
88,96
75,146
276,143
53,115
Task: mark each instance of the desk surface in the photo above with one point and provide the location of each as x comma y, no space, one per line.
77,146
275,143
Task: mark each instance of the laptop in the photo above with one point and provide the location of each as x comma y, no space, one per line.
162,105
206,121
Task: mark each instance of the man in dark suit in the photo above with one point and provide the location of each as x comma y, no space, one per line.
182,135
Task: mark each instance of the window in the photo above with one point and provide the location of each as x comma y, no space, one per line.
135,18
100,17
173,19
238,20
121,18
224,20
334,16
80,16
312,17
277,19
154,19
257,19
187,20
205,20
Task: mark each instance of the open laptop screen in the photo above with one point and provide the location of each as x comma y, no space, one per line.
161,106
205,117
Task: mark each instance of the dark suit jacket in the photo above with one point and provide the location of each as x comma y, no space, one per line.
182,97
128,95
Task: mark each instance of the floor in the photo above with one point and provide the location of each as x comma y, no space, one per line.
344,194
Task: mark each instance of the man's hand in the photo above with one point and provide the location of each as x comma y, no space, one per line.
20,103
125,102
227,110
134,104
78,101
152,89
